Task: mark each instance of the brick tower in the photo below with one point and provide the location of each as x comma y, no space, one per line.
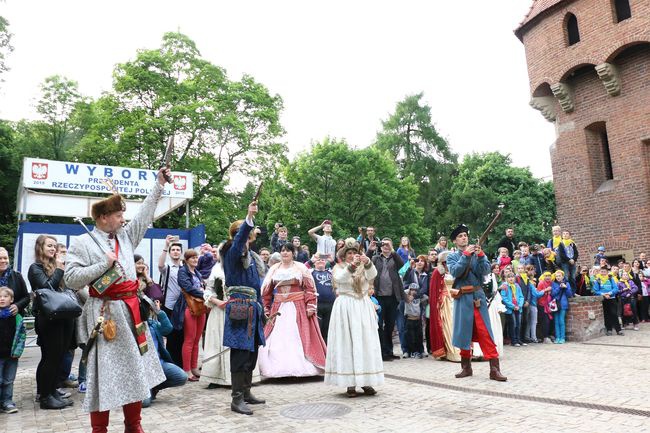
589,69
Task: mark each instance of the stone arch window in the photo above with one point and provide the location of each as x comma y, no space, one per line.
599,155
622,10
571,26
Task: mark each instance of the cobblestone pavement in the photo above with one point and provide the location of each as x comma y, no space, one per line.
571,380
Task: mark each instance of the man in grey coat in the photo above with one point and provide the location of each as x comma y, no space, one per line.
123,367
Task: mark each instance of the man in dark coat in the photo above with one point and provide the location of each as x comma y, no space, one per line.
244,327
509,242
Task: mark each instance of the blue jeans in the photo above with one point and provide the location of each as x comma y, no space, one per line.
570,274
401,327
8,367
560,326
66,365
81,376
174,375
514,326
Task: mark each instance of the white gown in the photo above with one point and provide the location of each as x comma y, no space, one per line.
496,307
353,353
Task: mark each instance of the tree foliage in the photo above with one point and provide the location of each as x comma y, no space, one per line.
5,44
352,187
410,137
59,97
220,126
486,180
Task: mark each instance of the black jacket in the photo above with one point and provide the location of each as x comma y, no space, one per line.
16,282
38,279
510,244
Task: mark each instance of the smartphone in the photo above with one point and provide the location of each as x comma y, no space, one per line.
175,238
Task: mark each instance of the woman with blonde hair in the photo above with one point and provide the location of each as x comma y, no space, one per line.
54,336
354,355
405,251
441,245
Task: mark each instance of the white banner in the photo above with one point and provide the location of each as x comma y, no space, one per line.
75,176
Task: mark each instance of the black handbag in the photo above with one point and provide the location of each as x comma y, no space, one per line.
53,304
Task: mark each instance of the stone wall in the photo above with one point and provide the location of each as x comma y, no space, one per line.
584,320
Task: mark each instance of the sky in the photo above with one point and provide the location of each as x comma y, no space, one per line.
340,66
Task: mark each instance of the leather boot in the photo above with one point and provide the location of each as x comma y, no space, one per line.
466,365
495,372
238,384
248,397
50,402
99,421
132,417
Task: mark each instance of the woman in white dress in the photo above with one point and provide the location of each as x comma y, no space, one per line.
354,355
495,307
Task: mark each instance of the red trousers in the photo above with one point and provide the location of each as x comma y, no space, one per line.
481,335
192,330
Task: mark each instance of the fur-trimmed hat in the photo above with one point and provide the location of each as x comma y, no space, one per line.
234,228
114,203
350,244
462,228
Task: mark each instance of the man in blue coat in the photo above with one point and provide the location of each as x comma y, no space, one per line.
469,265
244,327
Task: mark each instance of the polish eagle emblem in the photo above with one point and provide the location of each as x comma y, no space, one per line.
39,170
180,183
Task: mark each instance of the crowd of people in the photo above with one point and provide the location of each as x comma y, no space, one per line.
280,311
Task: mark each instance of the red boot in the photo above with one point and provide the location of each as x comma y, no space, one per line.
99,421
132,417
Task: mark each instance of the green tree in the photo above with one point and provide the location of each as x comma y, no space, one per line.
221,126
59,97
486,180
410,137
352,187
5,44
9,178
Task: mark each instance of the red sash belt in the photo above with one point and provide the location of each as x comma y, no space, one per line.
127,291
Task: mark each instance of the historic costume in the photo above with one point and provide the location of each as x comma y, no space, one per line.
441,318
471,319
122,365
495,306
354,352
243,328
294,345
216,370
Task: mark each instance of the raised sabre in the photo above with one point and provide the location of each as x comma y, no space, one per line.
216,355
167,158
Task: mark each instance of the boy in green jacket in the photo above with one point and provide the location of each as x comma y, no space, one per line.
12,344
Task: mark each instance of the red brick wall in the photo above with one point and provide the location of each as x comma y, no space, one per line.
579,325
549,58
617,218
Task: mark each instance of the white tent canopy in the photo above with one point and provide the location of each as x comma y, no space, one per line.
43,174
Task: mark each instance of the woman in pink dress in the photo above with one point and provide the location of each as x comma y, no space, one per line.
294,345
